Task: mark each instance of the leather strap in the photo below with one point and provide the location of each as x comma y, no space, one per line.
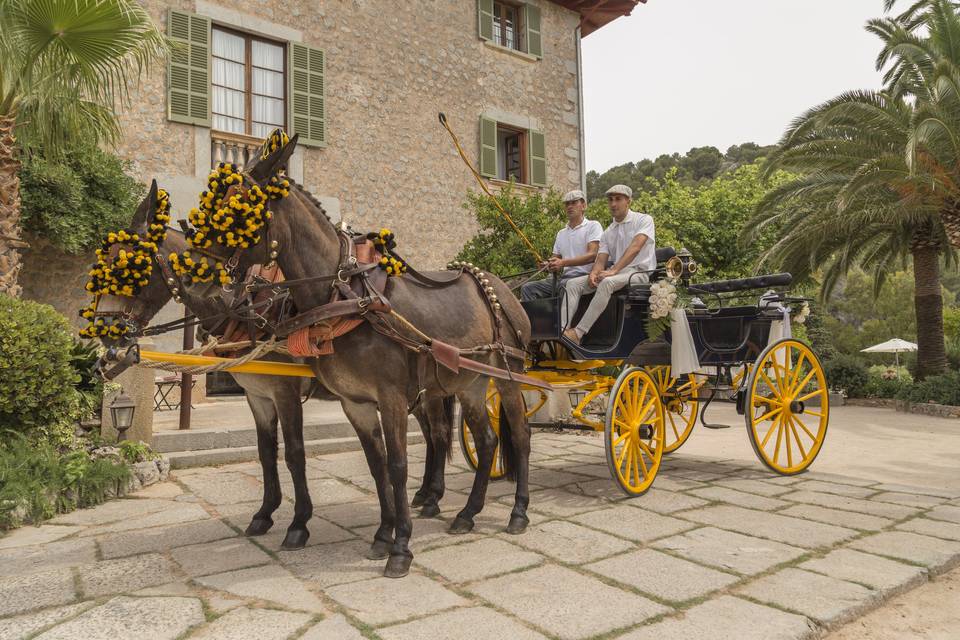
336,309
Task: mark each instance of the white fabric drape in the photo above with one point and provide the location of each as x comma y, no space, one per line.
683,354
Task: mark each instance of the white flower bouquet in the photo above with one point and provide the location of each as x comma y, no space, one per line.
664,298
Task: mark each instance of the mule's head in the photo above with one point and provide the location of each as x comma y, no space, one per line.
128,281
231,227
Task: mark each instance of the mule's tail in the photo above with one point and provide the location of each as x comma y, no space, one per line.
508,443
444,437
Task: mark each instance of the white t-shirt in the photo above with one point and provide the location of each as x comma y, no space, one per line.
571,243
619,235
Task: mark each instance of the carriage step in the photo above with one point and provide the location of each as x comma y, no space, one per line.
716,426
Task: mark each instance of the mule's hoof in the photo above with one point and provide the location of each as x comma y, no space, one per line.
258,527
379,550
518,524
461,525
295,539
418,500
430,511
397,566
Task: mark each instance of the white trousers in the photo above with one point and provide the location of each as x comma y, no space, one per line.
577,287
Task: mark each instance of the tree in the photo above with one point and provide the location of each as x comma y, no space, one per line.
64,65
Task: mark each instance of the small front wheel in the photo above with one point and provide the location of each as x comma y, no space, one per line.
787,406
498,470
634,431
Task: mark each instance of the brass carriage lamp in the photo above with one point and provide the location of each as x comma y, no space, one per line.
121,412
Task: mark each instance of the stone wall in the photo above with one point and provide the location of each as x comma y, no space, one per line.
391,67
55,278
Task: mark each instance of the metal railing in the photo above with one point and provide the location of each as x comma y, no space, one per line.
234,148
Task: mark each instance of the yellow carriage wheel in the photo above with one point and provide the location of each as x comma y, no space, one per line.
498,470
788,406
634,433
680,400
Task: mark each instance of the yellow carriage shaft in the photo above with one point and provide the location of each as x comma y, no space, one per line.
262,367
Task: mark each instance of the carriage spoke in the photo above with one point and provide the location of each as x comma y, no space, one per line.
769,414
766,438
623,454
797,369
810,395
775,401
796,438
786,441
641,466
776,451
781,377
673,425
804,427
623,436
803,383
770,384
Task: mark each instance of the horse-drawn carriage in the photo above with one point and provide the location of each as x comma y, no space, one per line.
778,385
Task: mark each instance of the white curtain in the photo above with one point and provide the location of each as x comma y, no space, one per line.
683,353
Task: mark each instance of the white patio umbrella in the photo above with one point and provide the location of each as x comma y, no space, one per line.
895,346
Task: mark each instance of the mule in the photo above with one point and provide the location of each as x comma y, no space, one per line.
272,399
376,378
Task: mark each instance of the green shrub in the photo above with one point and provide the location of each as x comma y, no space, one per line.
942,389
74,203
848,374
38,393
38,481
133,452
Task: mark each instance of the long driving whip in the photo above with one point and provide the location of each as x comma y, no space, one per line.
483,185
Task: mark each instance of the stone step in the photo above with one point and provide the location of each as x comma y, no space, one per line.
205,439
230,455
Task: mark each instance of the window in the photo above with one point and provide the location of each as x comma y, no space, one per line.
511,144
511,152
249,83
506,25
245,84
511,25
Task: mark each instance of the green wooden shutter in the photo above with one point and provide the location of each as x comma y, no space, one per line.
488,147
538,159
307,109
485,18
188,71
531,24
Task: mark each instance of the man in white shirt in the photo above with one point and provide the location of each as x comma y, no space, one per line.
574,250
627,249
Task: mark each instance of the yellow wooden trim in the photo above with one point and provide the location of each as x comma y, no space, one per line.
255,366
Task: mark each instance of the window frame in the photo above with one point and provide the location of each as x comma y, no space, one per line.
524,135
519,28
248,77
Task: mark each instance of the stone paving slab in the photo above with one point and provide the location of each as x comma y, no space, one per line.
873,571
831,501
908,499
662,576
36,590
270,582
933,528
827,600
29,536
945,512
476,623
220,556
176,514
801,533
935,554
333,628
729,550
480,559
116,510
125,574
739,498
569,542
939,492
24,626
117,545
262,624
55,555
847,519
122,617
633,524
416,595
332,564
836,488
728,618
754,486
565,603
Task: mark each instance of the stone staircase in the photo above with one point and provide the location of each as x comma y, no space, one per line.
205,447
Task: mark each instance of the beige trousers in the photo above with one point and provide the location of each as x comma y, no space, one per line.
577,287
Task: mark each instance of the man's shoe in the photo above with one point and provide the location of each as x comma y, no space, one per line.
571,335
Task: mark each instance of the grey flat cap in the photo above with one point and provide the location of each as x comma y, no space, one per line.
620,189
576,194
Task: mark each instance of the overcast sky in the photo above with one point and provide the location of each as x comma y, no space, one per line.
687,73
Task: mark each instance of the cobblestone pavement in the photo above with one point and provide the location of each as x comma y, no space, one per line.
718,548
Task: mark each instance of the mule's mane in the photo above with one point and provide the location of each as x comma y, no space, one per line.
311,198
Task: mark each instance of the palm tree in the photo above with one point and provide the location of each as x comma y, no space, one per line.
857,201
921,48
64,65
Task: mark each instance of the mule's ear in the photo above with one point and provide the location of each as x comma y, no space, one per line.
274,162
145,211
